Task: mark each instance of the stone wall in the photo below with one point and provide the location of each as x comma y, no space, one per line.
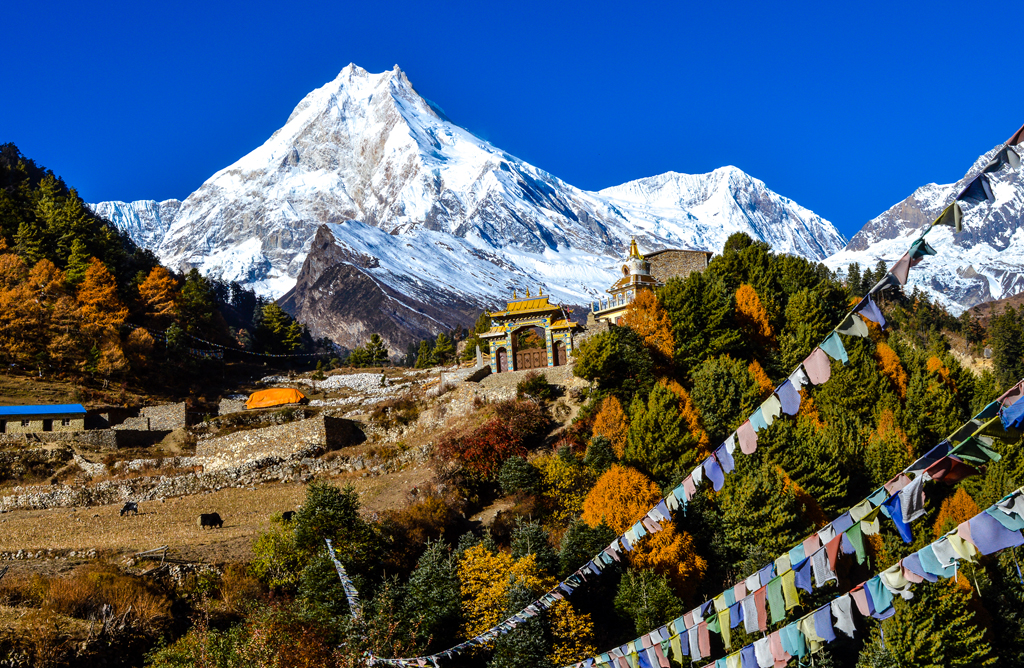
668,263
165,416
135,423
44,425
318,433
101,438
228,406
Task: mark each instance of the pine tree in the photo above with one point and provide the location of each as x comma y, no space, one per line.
759,509
525,646
646,600
78,262
529,537
701,309
425,356
444,351
659,443
580,543
196,304
853,278
377,351
618,361
808,321
600,454
935,628
725,394
433,596
1007,339
28,242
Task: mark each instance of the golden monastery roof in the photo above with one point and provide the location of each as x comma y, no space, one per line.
564,324
526,306
634,280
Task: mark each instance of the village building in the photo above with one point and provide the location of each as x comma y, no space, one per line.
521,313
42,418
645,273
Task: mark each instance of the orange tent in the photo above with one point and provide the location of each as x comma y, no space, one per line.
277,396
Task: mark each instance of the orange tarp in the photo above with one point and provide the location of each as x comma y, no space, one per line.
276,396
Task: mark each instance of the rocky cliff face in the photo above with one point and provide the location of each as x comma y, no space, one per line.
982,263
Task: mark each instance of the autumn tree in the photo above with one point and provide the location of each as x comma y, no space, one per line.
611,423
572,632
619,499
889,363
158,292
486,578
955,509
752,315
648,319
99,314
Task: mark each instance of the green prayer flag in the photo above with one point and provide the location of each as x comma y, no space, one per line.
975,452
775,600
857,539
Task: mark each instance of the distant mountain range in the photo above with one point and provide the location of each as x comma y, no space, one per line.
447,223
369,194
982,263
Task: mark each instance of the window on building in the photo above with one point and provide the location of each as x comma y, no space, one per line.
24,423
65,422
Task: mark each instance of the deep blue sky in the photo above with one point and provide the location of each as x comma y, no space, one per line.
844,107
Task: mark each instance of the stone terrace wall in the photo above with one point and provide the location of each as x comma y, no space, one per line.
669,263
165,417
315,434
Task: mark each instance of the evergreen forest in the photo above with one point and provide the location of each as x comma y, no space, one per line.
688,366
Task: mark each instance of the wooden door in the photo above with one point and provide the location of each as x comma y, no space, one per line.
560,356
502,360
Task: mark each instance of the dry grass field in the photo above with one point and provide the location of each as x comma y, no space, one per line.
246,512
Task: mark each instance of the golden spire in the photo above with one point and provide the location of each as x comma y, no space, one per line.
634,251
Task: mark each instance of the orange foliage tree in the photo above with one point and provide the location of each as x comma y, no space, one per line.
889,363
650,321
611,423
621,497
158,293
939,368
100,313
956,509
753,315
764,383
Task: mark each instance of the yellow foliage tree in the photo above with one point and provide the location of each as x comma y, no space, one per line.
611,423
621,497
889,363
158,293
573,634
753,315
567,482
764,383
650,321
956,509
690,415
485,580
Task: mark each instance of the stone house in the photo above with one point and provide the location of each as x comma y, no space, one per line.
42,418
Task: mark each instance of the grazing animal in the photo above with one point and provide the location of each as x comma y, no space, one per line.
288,515
210,520
130,507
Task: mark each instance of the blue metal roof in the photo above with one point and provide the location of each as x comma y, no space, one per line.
46,409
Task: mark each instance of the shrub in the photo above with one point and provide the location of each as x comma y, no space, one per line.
536,386
519,476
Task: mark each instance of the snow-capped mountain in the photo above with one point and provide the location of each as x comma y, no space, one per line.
366,147
146,221
982,263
